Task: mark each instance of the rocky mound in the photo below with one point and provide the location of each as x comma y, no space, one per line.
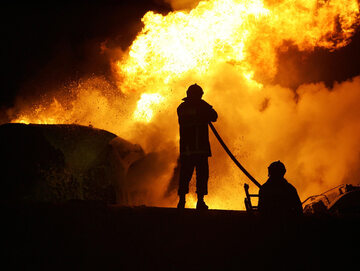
63,162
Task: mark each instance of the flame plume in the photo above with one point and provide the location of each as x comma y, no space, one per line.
246,34
230,48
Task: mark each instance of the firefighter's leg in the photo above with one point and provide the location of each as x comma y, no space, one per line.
202,177
186,171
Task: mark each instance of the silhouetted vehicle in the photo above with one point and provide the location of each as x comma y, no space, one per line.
342,199
194,116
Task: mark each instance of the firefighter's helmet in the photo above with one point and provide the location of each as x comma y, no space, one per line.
277,169
194,91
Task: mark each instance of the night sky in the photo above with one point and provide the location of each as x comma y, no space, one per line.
45,45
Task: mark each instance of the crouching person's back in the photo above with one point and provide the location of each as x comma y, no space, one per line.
281,232
277,197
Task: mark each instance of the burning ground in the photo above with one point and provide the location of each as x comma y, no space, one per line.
283,76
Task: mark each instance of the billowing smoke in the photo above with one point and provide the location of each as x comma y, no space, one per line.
312,127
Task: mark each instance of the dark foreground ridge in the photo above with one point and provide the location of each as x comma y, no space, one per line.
86,235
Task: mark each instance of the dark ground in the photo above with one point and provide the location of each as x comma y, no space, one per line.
92,236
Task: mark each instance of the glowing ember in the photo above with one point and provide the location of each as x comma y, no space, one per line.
44,115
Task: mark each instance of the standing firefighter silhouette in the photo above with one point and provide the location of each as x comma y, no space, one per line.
194,116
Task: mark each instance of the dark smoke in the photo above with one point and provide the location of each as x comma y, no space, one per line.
321,65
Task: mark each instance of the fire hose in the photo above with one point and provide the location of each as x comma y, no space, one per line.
233,157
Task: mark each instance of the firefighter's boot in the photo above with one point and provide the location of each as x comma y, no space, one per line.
201,205
181,203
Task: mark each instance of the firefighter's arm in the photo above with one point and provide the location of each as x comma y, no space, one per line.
213,115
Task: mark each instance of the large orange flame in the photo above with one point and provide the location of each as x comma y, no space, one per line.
246,34
230,48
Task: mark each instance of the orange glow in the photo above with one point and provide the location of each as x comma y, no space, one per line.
243,33
229,47
144,107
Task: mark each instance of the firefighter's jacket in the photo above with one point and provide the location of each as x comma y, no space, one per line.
194,116
278,197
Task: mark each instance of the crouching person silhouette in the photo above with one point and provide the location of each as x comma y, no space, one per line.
194,115
277,197
280,208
